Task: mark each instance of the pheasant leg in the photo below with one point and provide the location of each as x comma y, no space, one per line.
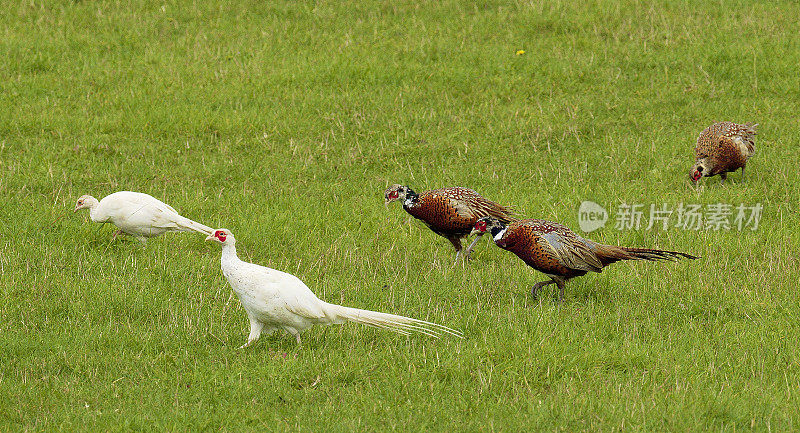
295,333
539,285
457,245
255,332
560,285
469,248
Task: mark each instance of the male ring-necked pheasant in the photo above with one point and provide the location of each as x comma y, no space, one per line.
723,147
558,252
449,212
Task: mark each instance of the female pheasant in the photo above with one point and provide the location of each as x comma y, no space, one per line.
559,253
449,212
723,147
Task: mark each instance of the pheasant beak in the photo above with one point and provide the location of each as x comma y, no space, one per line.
386,204
210,237
476,232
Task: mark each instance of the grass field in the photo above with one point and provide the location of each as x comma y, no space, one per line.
285,122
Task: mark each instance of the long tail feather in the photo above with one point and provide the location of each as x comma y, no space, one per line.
611,254
650,254
504,214
187,224
400,324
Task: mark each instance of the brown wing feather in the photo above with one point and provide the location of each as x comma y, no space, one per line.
571,250
473,205
745,134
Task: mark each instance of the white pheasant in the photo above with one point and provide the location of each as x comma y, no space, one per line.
276,300
137,214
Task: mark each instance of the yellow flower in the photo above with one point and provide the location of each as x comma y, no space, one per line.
520,52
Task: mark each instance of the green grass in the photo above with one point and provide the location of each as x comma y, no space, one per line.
285,121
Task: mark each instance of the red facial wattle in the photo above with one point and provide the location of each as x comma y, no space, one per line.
219,234
697,175
480,226
393,195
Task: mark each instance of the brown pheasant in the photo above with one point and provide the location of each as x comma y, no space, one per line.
449,212
723,147
558,252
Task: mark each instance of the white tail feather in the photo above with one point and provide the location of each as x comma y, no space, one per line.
187,224
400,324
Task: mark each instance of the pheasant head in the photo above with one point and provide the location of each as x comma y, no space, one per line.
396,192
86,202
488,224
699,169
223,236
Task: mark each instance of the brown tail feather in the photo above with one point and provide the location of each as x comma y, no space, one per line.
609,254
504,213
486,207
650,254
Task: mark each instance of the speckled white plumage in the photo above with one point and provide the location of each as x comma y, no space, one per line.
276,300
137,214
